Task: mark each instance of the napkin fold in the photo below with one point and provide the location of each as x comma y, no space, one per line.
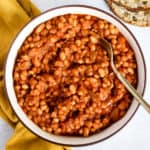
14,14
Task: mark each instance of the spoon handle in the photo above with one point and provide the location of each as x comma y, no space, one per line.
131,89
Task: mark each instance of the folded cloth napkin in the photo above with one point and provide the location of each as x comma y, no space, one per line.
13,15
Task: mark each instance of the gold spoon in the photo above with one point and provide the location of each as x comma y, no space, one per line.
106,45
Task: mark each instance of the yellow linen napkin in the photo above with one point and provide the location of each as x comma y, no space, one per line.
13,15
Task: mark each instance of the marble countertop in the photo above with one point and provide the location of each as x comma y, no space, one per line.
136,134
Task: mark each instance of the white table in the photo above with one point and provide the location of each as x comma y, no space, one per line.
136,134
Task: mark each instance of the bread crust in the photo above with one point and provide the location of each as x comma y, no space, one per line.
131,7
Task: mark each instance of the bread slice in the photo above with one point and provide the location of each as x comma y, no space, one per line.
134,5
139,18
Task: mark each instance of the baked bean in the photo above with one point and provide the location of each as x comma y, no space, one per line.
63,78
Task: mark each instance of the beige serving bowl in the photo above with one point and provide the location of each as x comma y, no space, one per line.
9,83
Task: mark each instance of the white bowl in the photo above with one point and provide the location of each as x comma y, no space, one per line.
27,29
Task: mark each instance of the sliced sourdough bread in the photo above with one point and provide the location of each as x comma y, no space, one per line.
139,18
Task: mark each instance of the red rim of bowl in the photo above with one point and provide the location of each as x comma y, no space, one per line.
82,6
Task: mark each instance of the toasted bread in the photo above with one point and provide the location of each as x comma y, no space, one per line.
139,18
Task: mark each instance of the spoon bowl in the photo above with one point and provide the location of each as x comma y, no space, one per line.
107,46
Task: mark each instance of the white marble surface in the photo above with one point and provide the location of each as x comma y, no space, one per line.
136,135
